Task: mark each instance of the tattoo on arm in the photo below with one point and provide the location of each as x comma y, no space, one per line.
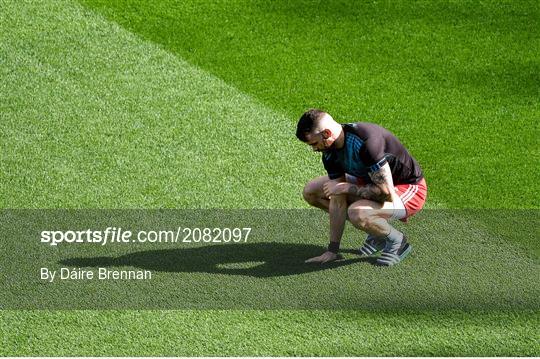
371,192
378,177
380,190
383,180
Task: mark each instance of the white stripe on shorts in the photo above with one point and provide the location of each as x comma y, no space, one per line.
406,193
410,195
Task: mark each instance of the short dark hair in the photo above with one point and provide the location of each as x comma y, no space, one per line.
308,122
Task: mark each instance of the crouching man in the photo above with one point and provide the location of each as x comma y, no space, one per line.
371,180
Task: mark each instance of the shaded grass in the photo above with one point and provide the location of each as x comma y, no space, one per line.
454,265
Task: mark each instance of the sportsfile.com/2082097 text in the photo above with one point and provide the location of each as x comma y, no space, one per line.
119,235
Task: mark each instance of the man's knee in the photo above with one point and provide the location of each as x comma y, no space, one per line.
311,192
360,217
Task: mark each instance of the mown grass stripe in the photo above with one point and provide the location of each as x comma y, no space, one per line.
96,117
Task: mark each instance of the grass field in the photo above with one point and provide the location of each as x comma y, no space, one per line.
131,104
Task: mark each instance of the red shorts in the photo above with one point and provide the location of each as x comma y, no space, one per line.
413,197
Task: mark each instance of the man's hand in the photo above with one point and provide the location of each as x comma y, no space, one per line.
324,258
333,188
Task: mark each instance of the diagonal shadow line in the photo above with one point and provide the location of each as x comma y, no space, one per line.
261,260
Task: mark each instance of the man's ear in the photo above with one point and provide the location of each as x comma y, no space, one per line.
326,134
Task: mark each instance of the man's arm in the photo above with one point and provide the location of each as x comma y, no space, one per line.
382,190
338,215
382,178
380,173
372,192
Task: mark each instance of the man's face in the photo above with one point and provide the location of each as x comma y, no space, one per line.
320,141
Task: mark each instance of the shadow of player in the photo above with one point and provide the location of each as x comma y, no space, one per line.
260,260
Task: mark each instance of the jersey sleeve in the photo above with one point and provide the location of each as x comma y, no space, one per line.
372,153
332,168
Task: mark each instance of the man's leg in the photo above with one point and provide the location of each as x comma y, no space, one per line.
314,195
372,217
